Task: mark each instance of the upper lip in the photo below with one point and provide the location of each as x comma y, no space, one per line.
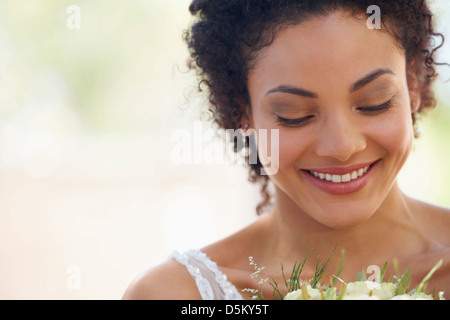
340,170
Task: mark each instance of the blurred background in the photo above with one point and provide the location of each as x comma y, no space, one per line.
92,96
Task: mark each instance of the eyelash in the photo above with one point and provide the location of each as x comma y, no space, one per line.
293,122
376,109
371,111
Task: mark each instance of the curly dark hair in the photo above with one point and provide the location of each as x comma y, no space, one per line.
226,36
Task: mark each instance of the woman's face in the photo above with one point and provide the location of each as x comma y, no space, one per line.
338,93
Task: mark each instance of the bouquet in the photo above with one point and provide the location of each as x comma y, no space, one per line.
396,288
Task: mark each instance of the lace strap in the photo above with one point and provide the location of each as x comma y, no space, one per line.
211,282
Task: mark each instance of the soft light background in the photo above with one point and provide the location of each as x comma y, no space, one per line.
90,193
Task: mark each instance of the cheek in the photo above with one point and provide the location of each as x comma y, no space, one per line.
292,148
286,146
396,133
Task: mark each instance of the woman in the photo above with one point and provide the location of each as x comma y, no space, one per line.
342,88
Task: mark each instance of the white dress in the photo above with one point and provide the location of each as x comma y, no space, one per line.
211,282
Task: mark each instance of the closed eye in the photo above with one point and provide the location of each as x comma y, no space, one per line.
298,122
293,122
376,109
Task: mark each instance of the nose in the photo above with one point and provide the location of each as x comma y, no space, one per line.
340,138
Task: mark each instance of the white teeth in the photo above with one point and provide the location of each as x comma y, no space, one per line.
336,178
340,178
346,177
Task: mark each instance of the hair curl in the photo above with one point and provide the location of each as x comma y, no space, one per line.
226,36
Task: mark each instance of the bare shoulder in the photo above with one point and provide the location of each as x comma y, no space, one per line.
172,281
422,264
433,220
168,281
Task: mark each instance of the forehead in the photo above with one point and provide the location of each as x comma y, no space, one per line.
337,48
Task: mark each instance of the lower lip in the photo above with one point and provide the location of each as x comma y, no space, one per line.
343,187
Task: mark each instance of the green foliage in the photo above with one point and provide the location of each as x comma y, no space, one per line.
396,287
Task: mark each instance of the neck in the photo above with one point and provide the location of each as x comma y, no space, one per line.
389,233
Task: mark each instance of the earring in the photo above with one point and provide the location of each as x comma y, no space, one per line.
417,131
246,151
416,127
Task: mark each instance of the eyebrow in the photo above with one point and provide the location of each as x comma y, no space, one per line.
369,78
308,94
293,90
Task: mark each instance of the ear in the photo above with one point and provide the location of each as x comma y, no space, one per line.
413,87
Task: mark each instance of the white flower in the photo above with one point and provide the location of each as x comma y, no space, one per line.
360,297
383,291
308,293
294,295
420,296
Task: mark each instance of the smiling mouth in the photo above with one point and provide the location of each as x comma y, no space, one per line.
340,177
342,180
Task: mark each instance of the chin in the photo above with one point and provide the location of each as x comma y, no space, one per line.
343,216
345,220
